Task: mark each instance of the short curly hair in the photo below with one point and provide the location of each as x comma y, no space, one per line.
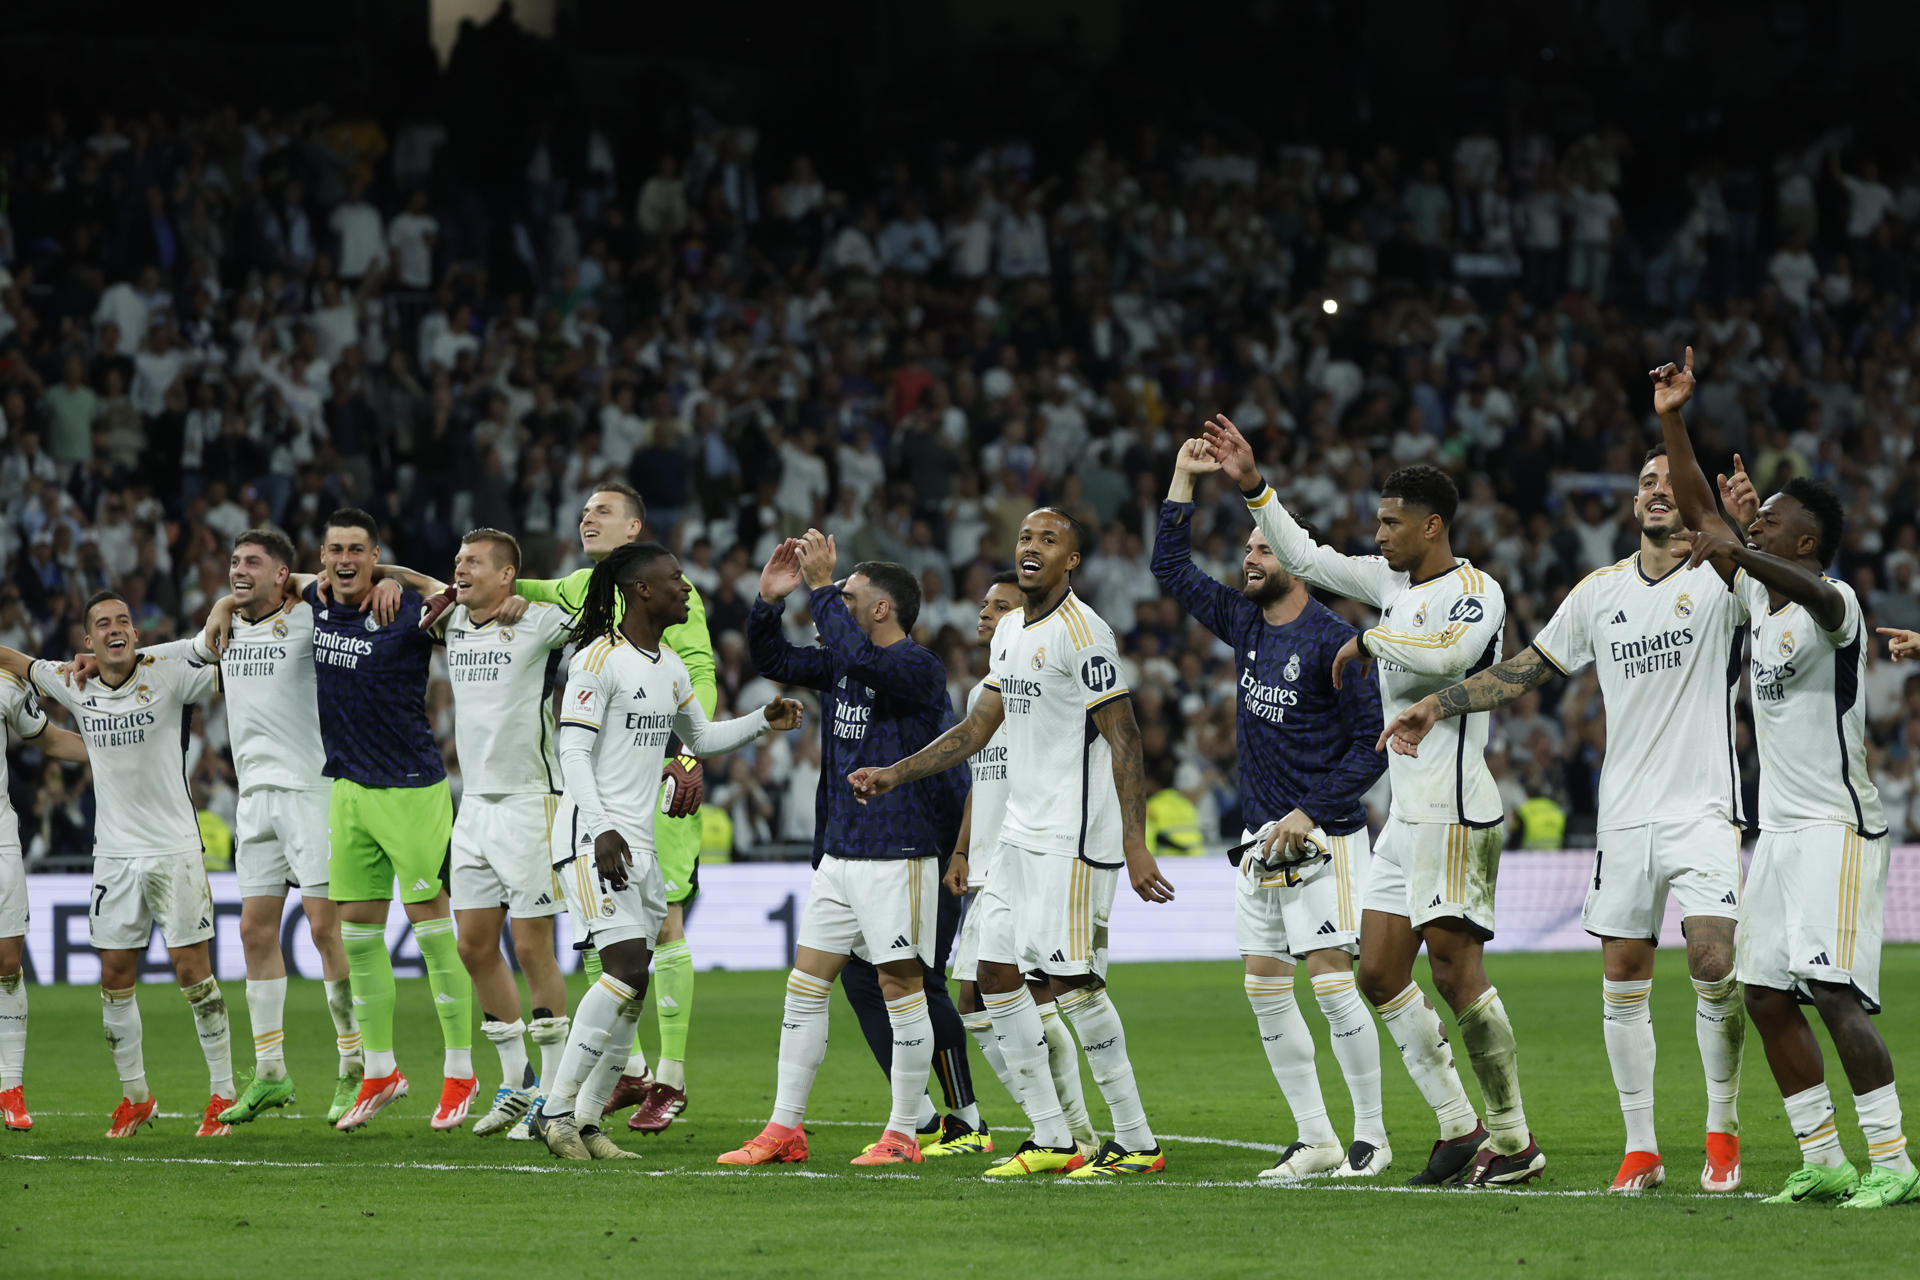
1822,504
1424,486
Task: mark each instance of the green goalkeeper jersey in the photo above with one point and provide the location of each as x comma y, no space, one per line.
689,639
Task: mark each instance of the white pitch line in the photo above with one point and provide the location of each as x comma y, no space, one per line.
428,1166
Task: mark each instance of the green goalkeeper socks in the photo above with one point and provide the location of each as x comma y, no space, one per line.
673,997
452,988
370,975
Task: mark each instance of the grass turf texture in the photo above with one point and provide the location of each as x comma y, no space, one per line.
289,1196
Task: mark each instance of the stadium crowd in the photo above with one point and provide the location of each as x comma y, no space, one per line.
213,322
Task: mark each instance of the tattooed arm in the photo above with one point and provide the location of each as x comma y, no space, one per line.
1114,719
954,747
1494,687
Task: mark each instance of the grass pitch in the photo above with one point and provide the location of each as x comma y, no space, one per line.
287,1197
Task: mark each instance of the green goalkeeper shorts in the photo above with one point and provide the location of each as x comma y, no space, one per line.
383,834
676,843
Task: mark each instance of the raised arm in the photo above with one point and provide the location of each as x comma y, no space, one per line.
1495,687
406,577
1114,719
1672,388
1211,603
902,670
954,747
1473,622
1356,577
773,656
17,664
1788,578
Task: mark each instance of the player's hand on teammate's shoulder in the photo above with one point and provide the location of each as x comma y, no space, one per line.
784,714
1143,871
956,878
782,574
1230,449
1672,385
1902,645
1406,730
384,601
82,668
611,858
220,624
512,609
1350,652
872,781
1196,459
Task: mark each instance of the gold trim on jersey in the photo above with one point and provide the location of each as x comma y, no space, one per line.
1848,924
1443,639
1260,499
1106,698
1077,629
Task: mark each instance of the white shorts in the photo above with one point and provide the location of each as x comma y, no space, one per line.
603,915
13,892
1046,913
502,855
131,895
966,948
878,909
1429,871
1814,908
280,841
1634,867
1270,919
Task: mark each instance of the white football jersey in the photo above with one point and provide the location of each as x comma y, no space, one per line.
1051,675
137,745
1667,653
19,709
273,716
632,702
503,681
989,767
1810,715
1432,635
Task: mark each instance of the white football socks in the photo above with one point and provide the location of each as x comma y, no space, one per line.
1063,1064
1356,1047
120,1013
1496,1064
13,1030
1023,1043
591,1102
803,1046
588,1044
1289,1049
551,1035
216,1033
346,1024
510,1042
912,1060
1880,1122
1627,1025
1417,1031
1810,1112
980,1027
1097,1025
266,1011
1720,1025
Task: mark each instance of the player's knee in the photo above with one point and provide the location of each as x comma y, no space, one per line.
1836,1003
1377,985
476,951
1767,1006
259,936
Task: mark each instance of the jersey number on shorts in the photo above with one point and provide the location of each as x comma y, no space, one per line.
99,897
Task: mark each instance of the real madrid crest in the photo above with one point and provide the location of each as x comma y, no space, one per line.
1040,657
1420,615
1683,607
279,628
143,695
1786,644
506,635
1292,670
370,623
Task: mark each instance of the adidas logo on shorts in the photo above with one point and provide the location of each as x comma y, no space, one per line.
420,886
900,943
1435,902
1057,957
1730,900
1326,926
204,923
1821,959
544,900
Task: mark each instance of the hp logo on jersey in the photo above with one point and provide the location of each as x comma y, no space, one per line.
1099,674
1467,609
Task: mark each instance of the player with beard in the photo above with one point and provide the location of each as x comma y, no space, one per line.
1307,758
1815,898
1665,645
